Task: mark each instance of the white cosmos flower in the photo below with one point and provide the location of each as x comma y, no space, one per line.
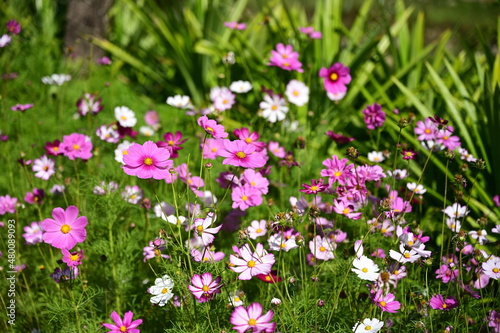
418,189
147,131
122,150
162,290
178,101
365,268
456,211
125,116
337,96
368,326
273,108
404,255
376,156
56,79
240,87
297,92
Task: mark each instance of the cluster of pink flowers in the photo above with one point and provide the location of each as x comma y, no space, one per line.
285,58
436,136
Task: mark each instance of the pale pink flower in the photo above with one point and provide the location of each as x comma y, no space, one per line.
203,230
43,167
257,228
322,248
251,317
249,264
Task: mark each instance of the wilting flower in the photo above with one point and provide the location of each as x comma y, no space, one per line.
123,326
162,290
65,229
147,161
204,287
251,317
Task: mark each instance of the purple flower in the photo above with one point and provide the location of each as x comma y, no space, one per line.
13,27
374,116
21,107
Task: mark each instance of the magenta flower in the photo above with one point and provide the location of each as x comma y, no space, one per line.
374,116
387,303
172,142
52,148
309,31
211,148
339,138
76,146
245,196
154,250
204,287
123,326
250,264
73,258
315,187
35,197
105,61
147,161
446,273
21,107
285,58
426,130
337,77
250,138
212,127
13,27
65,229
240,153
7,204
445,138
437,302
251,317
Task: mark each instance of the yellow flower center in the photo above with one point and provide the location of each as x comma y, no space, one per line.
334,76
205,288
274,108
268,278
252,322
337,173
55,149
45,168
313,188
76,147
496,270
123,117
383,231
123,329
237,299
170,143
445,306
248,140
410,243
283,245
199,228
346,211
209,129
408,153
225,101
164,290
241,154
427,131
364,270
65,229
124,152
295,93
322,249
286,64
148,161
406,255
258,230
214,150
244,198
157,252
368,328
383,303
74,257
251,263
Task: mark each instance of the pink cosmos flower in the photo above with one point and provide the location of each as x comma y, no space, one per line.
13,27
154,250
446,273
33,233
374,116
249,264
322,248
445,138
250,138
437,302
285,58
204,287
240,153
235,25
246,196
35,197
203,230
89,103
251,317
52,148
337,170
337,78
222,98
493,320
346,209
387,303
7,204
206,255
212,127
426,130
211,148
76,146
21,107
123,326
255,180
147,161
315,187
309,31
276,149
72,258
105,61
65,229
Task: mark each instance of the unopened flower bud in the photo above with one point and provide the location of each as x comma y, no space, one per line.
352,152
403,122
275,301
314,279
208,165
321,302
